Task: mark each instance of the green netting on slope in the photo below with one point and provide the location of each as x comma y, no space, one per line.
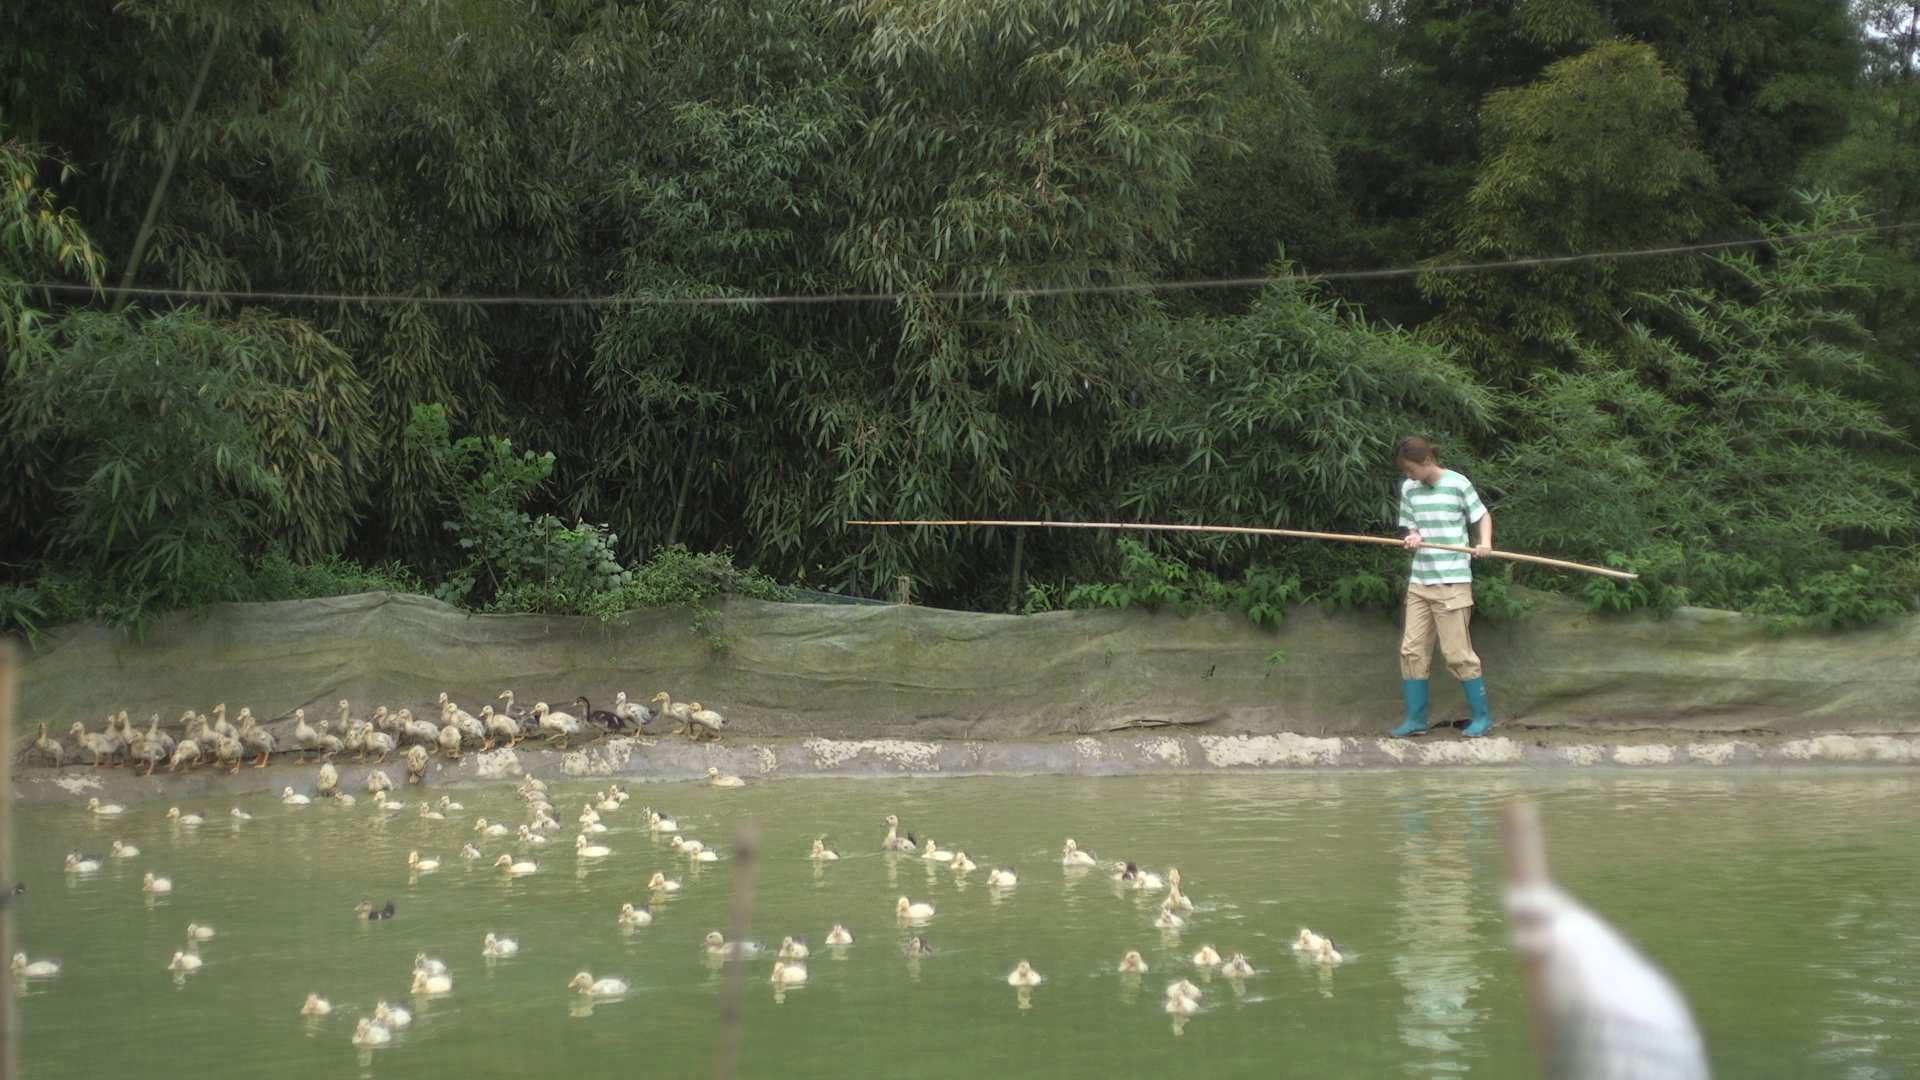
867,671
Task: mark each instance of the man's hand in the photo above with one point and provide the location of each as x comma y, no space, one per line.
1481,551
1412,541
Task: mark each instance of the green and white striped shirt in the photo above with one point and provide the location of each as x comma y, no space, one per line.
1442,513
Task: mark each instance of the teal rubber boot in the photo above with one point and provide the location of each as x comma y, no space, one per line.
1415,691
1477,701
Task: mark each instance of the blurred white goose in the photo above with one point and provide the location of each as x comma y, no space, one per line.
1326,952
184,962
197,932
428,964
327,781
962,864
586,984
636,916
33,969
1133,963
498,948
393,1017
1307,942
1071,855
1023,975
908,909
1207,957
368,1033
155,885
1236,967
659,882
839,935
1167,920
315,1005
792,949
516,868
424,983
1183,998
789,973
448,806
1002,878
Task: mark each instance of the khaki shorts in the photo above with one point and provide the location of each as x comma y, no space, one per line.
1438,611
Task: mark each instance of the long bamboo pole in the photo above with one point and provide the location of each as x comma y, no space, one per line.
1298,534
9,1015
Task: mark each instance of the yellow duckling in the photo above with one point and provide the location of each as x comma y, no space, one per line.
586,984
1167,920
95,806
197,932
684,846
587,850
636,916
176,817
659,882
1023,975
1140,880
793,949
931,851
718,945
291,798
184,962
315,1005
961,864
484,827
907,909
391,1017
530,838
839,935
498,948
1133,963
1183,998
1176,900
1326,952
1003,878
516,868
423,983
469,852
123,850
421,866
722,780
448,806
368,1033
789,973
1236,967
1071,855
1307,942
1206,957
35,969
77,864
238,814
423,962
155,885
658,822
822,853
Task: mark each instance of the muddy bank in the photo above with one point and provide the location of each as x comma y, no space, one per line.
648,759
797,671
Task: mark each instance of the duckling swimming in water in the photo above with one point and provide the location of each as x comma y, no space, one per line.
123,850
893,840
392,1017
789,973
1133,963
1183,998
184,962
636,916
587,850
932,852
1206,957
516,868
155,885
961,863
95,806
468,851
1176,900
659,882
365,910
484,827
918,947
421,866
1236,967
1071,855
1002,878
822,853
36,969
424,983
288,796
368,1033
1140,880
1167,920
1326,952
718,945
197,932
720,780
793,949
316,1005
907,909
175,817
81,864
423,962
586,984
498,948
1023,975
839,935
531,838
1307,942
658,822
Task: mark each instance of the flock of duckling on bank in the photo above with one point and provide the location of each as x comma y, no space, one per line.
432,977
213,740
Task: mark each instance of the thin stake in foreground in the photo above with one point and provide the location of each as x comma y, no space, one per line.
1249,530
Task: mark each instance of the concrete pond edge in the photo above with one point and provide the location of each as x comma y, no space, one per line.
664,759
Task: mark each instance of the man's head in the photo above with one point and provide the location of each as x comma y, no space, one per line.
1417,459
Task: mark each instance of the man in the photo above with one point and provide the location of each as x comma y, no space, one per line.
1436,507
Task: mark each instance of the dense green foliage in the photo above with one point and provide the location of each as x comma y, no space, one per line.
1740,425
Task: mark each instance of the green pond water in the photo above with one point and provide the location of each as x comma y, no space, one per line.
1786,906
